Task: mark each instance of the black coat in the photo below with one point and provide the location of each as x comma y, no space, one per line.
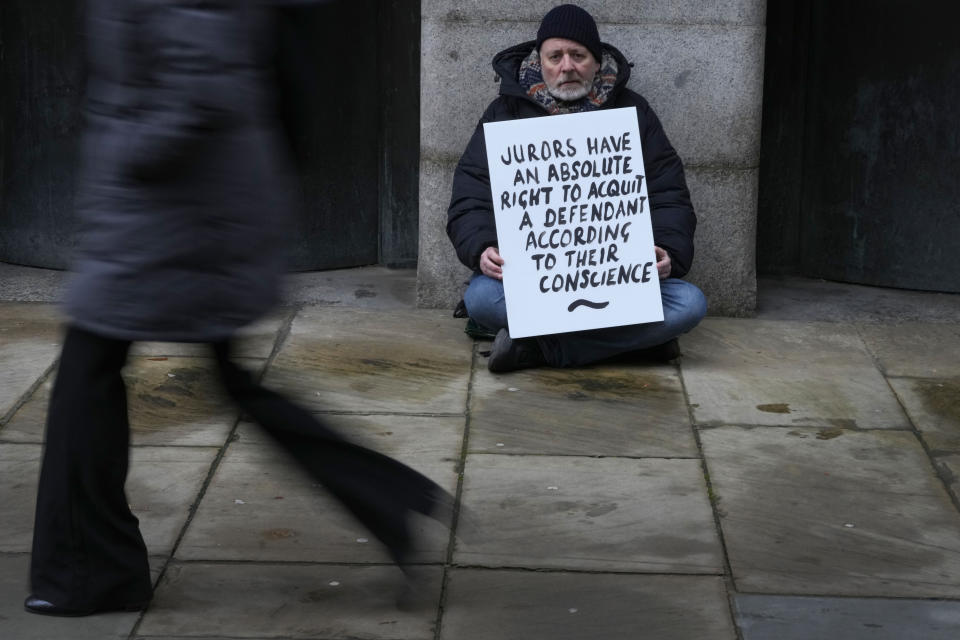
470,219
184,190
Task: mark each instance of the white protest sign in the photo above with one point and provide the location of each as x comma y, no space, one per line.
573,222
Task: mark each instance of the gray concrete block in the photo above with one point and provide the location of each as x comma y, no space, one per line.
30,339
17,624
288,601
761,372
723,265
702,76
833,512
401,362
514,605
915,349
259,506
934,409
801,618
728,12
609,410
704,83
440,275
457,84
609,514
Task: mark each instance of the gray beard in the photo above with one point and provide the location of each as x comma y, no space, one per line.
569,94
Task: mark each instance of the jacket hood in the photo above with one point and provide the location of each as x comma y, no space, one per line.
507,66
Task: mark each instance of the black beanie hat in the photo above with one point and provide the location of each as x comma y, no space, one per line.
573,23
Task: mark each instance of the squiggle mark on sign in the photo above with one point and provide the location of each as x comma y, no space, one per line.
586,303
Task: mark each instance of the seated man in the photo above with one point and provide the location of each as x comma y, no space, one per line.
568,70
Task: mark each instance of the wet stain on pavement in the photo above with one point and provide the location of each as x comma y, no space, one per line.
941,398
279,534
377,363
585,508
314,596
602,509
829,434
843,423
364,293
156,401
780,407
396,370
181,381
600,384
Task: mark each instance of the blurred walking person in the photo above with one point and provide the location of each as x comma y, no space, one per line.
184,197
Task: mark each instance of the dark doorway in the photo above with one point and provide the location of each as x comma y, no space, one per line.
357,138
860,154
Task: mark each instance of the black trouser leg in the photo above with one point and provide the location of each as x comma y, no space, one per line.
87,549
380,491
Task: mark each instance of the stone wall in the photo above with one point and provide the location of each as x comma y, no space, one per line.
698,63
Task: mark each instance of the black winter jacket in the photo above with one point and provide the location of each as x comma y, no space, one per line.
185,187
470,219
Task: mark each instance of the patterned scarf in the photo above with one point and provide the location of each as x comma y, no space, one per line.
531,80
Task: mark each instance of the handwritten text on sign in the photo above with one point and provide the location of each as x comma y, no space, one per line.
573,224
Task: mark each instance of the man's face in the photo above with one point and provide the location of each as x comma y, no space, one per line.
568,68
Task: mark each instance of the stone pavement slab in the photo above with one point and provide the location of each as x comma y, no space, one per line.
934,408
292,601
19,471
802,618
599,514
162,486
916,349
833,512
30,340
755,372
17,624
525,605
260,506
609,410
27,424
173,400
363,361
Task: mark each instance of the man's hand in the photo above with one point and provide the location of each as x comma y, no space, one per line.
663,263
491,263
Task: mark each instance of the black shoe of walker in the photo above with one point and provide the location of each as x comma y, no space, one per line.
508,354
33,604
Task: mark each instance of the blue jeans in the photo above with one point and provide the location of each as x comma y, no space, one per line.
684,306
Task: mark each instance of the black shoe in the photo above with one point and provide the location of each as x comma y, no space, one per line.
508,354
669,350
33,604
